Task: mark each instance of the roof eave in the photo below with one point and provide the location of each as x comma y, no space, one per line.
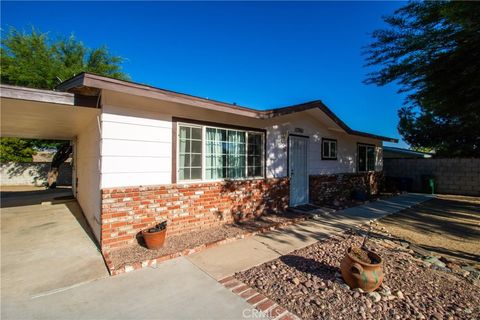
101,82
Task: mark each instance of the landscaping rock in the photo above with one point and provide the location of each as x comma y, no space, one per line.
368,304
405,244
375,296
399,294
345,286
436,262
416,292
474,273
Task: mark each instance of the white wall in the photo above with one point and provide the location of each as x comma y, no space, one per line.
87,157
32,174
313,127
136,147
137,139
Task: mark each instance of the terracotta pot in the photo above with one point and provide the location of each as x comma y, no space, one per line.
154,240
358,274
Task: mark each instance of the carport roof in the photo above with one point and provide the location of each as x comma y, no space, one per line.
42,114
91,84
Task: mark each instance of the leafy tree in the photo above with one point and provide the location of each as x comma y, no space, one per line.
432,49
15,149
37,61
421,149
22,150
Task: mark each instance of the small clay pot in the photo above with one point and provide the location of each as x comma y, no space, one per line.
358,274
154,240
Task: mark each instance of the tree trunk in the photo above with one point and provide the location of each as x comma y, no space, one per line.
62,154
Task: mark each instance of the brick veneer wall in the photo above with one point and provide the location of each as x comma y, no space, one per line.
187,207
328,188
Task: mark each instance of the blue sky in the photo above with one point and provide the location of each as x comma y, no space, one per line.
258,54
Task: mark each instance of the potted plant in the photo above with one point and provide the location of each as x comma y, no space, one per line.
362,268
155,237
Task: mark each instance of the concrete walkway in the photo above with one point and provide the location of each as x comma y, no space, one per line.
175,290
225,260
179,289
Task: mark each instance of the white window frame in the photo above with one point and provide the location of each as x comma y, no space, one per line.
366,145
177,150
203,153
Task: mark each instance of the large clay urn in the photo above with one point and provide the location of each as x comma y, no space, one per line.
358,274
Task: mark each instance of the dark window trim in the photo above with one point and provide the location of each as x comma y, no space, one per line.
336,149
358,156
216,124
176,120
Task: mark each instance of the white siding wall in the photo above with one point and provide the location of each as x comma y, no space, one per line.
136,147
87,147
137,140
277,135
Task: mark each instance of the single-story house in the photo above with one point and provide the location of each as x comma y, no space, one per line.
143,154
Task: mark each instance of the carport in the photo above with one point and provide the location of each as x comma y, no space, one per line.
45,114
51,246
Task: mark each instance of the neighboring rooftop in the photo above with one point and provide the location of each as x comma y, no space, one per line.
394,152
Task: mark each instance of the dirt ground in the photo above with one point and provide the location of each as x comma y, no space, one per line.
448,225
177,243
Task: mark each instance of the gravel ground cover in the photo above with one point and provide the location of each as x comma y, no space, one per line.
307,282
138,252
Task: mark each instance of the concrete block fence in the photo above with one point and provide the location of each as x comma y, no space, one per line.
460,176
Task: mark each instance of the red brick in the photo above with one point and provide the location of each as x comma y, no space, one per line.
248,294
240,289
288,316
265,305
278,310
256,299
232,284
227,279
168,201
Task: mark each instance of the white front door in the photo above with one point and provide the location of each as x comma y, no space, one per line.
298,169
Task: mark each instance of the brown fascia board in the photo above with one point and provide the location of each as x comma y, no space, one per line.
92,80
318,104
101,82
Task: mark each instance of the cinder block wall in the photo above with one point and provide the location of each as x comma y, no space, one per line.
459,176
32,173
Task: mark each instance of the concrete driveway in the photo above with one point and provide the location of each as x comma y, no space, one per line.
52,269
44,248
